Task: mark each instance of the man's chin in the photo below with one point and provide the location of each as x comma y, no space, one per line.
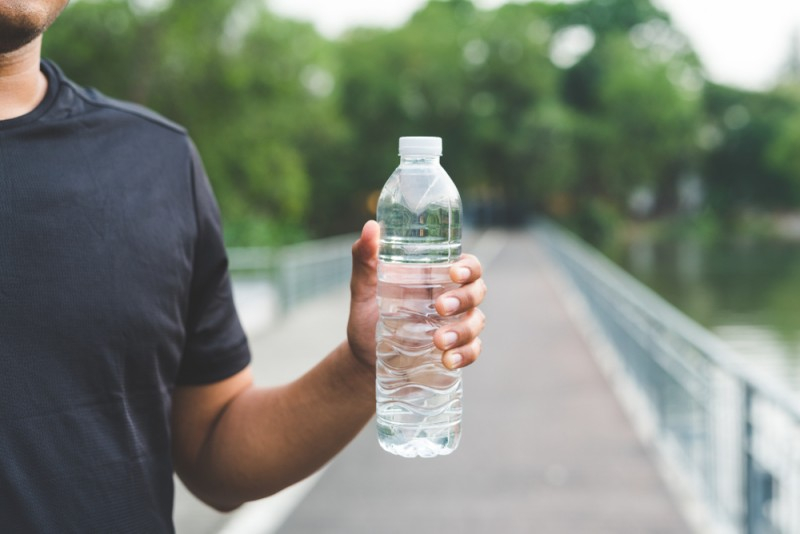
22,21
12,39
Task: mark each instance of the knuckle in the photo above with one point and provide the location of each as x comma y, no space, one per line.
479,290
472,354
464,332
468,300
481,315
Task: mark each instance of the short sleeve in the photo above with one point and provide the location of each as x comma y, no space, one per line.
216,346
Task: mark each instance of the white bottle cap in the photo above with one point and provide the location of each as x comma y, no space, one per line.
420,146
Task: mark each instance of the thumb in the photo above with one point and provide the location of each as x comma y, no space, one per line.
365,263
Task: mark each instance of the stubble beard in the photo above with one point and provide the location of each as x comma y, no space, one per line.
21,23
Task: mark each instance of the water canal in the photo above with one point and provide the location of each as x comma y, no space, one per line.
746,291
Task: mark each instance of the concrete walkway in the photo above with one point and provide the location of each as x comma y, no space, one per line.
546,447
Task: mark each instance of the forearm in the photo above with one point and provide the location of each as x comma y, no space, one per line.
269,438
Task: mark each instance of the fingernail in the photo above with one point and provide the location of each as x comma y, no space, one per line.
450,304
449,338
463,274
454,360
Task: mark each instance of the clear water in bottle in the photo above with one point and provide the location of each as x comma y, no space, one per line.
418,399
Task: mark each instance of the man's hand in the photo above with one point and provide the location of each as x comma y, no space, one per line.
363,287
459,340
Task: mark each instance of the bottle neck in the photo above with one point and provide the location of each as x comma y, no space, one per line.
418,159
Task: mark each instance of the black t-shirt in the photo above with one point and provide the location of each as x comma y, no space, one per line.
114,288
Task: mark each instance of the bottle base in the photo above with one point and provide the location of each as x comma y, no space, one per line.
418,448
421,444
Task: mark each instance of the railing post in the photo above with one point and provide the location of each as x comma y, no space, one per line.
749,482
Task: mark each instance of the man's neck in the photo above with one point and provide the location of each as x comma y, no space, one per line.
22,84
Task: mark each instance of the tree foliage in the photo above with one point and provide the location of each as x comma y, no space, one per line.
298,132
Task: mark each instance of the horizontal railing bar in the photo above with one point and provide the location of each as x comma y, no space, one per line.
649,304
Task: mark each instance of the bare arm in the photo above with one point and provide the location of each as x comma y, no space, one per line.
234,442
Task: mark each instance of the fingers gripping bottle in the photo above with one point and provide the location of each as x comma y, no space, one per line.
419,212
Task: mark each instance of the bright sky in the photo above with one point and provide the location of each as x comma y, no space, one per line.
741,42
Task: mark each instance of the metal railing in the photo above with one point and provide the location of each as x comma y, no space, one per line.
299,271
729,435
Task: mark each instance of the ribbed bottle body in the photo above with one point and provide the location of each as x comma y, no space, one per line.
418,398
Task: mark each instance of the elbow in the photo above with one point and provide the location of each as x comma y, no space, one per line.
214,496
229,503
211,494
219,501
221,506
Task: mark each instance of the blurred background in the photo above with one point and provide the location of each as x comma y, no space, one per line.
599,114
665,135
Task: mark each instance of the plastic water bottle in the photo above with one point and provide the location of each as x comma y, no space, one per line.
419,211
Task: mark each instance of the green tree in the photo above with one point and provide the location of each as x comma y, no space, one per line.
481,80
749,159
637,99
782,156
605,17
253,91
298,132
